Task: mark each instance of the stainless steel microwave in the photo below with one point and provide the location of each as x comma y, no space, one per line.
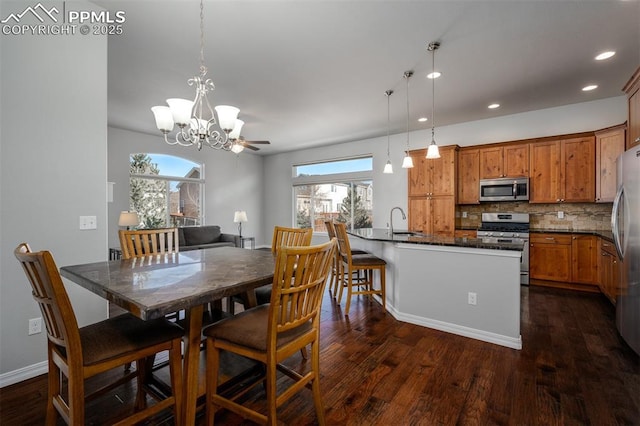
504,189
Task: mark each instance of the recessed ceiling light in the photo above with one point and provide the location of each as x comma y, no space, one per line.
422,119
589,87
494,106
434,74
605,55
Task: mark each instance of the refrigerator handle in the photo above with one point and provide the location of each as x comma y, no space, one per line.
615,226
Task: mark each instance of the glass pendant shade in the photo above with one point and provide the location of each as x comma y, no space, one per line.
236,148
235,133
164,118
227,116
181,110
432,151
388,168
407,162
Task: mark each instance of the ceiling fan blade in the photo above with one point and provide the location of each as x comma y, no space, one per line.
253,148
258,142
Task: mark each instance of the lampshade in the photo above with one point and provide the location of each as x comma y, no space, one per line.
128,219
164,118
388,168
235,133
181,110
240,216
433,152
407,162
236,148
227,116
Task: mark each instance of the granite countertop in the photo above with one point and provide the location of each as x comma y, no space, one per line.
400,236
607,235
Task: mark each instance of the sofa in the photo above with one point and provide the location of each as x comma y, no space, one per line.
202,237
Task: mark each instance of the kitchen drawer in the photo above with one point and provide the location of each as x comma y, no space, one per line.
537,238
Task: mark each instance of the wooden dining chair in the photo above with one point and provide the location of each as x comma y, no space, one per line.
145,242
282,236
353,263
272,333
80,353
337,274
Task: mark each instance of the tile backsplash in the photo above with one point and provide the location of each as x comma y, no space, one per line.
577,216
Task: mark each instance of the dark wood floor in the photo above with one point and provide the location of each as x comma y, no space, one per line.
573,369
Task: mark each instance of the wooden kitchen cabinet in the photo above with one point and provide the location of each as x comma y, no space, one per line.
550,257
584,259
610,144
609,270
505,160
432,192
632,89
469,176
432,215
562,170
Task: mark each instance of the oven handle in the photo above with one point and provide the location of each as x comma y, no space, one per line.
515,190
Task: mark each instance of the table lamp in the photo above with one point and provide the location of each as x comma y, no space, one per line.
128,219
238,217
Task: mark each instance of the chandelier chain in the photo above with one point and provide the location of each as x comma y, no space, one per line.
203,68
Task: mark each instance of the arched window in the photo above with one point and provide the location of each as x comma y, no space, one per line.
166,190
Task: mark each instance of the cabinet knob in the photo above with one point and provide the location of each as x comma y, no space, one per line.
557,200
574,238
550,238
637,139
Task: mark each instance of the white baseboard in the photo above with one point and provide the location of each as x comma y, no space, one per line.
485,336
24,373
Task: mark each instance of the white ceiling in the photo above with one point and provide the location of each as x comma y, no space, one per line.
309,73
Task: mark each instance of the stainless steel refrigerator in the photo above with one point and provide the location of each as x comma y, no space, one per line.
625,224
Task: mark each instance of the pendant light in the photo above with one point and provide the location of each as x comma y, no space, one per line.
407,162
388,168
432,150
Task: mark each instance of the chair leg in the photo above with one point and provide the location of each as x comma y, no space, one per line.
349,290
315,385
76,397
175,372
142,374
54,389
271,394
383,288
213,359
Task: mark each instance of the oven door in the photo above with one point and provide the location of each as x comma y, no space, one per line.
524,260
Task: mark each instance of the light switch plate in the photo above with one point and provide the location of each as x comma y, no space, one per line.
88,222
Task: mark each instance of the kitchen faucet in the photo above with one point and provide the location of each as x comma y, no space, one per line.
391,218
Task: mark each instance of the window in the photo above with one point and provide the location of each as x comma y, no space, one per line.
166,190
340,190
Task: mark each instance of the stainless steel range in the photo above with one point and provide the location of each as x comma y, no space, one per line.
508,228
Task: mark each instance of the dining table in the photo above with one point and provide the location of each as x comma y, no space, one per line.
153,286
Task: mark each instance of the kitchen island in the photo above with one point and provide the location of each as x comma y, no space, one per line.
434,281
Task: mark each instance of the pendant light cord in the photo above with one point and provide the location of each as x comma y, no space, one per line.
408,74
388,93
433,93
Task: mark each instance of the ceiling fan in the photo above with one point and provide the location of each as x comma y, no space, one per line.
249,144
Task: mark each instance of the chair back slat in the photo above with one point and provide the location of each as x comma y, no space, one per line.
298,285
290,237
145,242
51,296
344,248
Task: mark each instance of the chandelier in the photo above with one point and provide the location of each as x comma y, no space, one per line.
196,119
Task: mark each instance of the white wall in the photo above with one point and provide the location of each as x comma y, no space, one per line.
53,143
391,190
232,182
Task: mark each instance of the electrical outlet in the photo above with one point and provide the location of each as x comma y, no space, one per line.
464,214
560,215
35,326
472,298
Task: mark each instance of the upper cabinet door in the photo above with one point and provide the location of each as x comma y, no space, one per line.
516,160
419,185
443,172
469,176
632,89
545,175
579,156
491,166
609,145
